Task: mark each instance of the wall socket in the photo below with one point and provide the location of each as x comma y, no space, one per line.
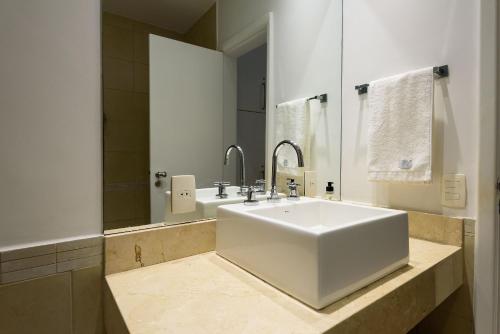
453,191
183,194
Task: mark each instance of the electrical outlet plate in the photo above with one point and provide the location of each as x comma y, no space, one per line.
453,191
183,190
310,183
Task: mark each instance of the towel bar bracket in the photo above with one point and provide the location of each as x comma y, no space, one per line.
362,89
439,71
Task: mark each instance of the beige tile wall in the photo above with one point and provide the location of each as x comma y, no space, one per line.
125,58
68,302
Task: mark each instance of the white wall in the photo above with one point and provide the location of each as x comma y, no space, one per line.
307,61
379,39
50,132
391,36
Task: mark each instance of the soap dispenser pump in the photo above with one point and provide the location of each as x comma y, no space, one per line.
330,191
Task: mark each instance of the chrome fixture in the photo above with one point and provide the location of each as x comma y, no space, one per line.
293,194
274,197
221,187
260,186
243,186
251,200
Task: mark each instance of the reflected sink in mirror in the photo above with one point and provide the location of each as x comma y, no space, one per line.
206,204
318,251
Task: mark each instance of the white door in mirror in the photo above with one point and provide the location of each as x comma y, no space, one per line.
183,194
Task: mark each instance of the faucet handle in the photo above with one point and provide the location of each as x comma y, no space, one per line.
221,187
251,199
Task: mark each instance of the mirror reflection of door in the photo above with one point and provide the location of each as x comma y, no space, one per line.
251,101
186,117
126,26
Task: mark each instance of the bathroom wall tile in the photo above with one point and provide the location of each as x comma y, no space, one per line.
125,136
142,168
111,226
117,21
120,167
41,306
16,254
143,227
80,243
87,300
141,47
79,253
26,274
30,262
118,74
141,107
435,228
79,263
117,42
188,239
141,78
119,105
142,209
119,205
150,29
147,247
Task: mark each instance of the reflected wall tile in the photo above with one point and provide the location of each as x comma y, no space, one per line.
119,205
118,74
117,42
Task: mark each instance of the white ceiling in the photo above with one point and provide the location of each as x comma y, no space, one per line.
176,15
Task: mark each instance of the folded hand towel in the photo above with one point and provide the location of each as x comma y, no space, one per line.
292,121
400,127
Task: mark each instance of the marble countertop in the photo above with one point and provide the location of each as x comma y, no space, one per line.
207,294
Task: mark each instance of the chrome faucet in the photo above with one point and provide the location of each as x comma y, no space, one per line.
243,187
274,197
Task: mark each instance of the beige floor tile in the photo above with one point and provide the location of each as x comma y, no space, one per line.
41,306
87,301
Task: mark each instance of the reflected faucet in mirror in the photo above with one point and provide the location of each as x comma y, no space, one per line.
274,197
243,186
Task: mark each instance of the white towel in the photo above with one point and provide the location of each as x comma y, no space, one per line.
292,121
400,127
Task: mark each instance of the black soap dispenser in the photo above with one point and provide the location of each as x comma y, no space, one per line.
330,191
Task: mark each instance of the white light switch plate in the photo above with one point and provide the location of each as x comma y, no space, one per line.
183,190
310,186
453,191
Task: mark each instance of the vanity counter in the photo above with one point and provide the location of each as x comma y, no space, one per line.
207,294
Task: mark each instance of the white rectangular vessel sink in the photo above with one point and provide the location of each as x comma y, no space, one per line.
317,251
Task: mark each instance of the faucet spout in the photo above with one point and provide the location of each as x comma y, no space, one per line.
300,160
242,165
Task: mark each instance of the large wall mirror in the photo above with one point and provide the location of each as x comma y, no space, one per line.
191,123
